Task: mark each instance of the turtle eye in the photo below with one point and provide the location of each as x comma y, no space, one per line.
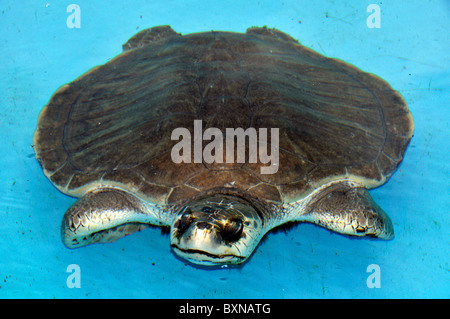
232,230
185,220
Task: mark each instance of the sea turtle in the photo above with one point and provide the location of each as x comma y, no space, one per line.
107,138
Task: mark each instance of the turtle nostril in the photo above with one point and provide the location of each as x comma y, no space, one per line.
203,225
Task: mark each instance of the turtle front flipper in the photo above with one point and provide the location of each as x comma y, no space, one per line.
105,215
348,210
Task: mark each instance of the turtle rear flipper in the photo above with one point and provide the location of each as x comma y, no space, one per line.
349,210
148,36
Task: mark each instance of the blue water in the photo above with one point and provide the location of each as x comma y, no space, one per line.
39,53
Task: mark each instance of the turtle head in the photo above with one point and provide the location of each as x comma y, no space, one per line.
216,230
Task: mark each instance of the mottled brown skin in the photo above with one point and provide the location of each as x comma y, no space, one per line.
113,124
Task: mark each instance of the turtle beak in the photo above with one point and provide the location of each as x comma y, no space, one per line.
204,240
214,236
202,243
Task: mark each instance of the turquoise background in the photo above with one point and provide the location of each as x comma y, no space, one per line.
39,53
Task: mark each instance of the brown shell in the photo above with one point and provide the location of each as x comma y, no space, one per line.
112,125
